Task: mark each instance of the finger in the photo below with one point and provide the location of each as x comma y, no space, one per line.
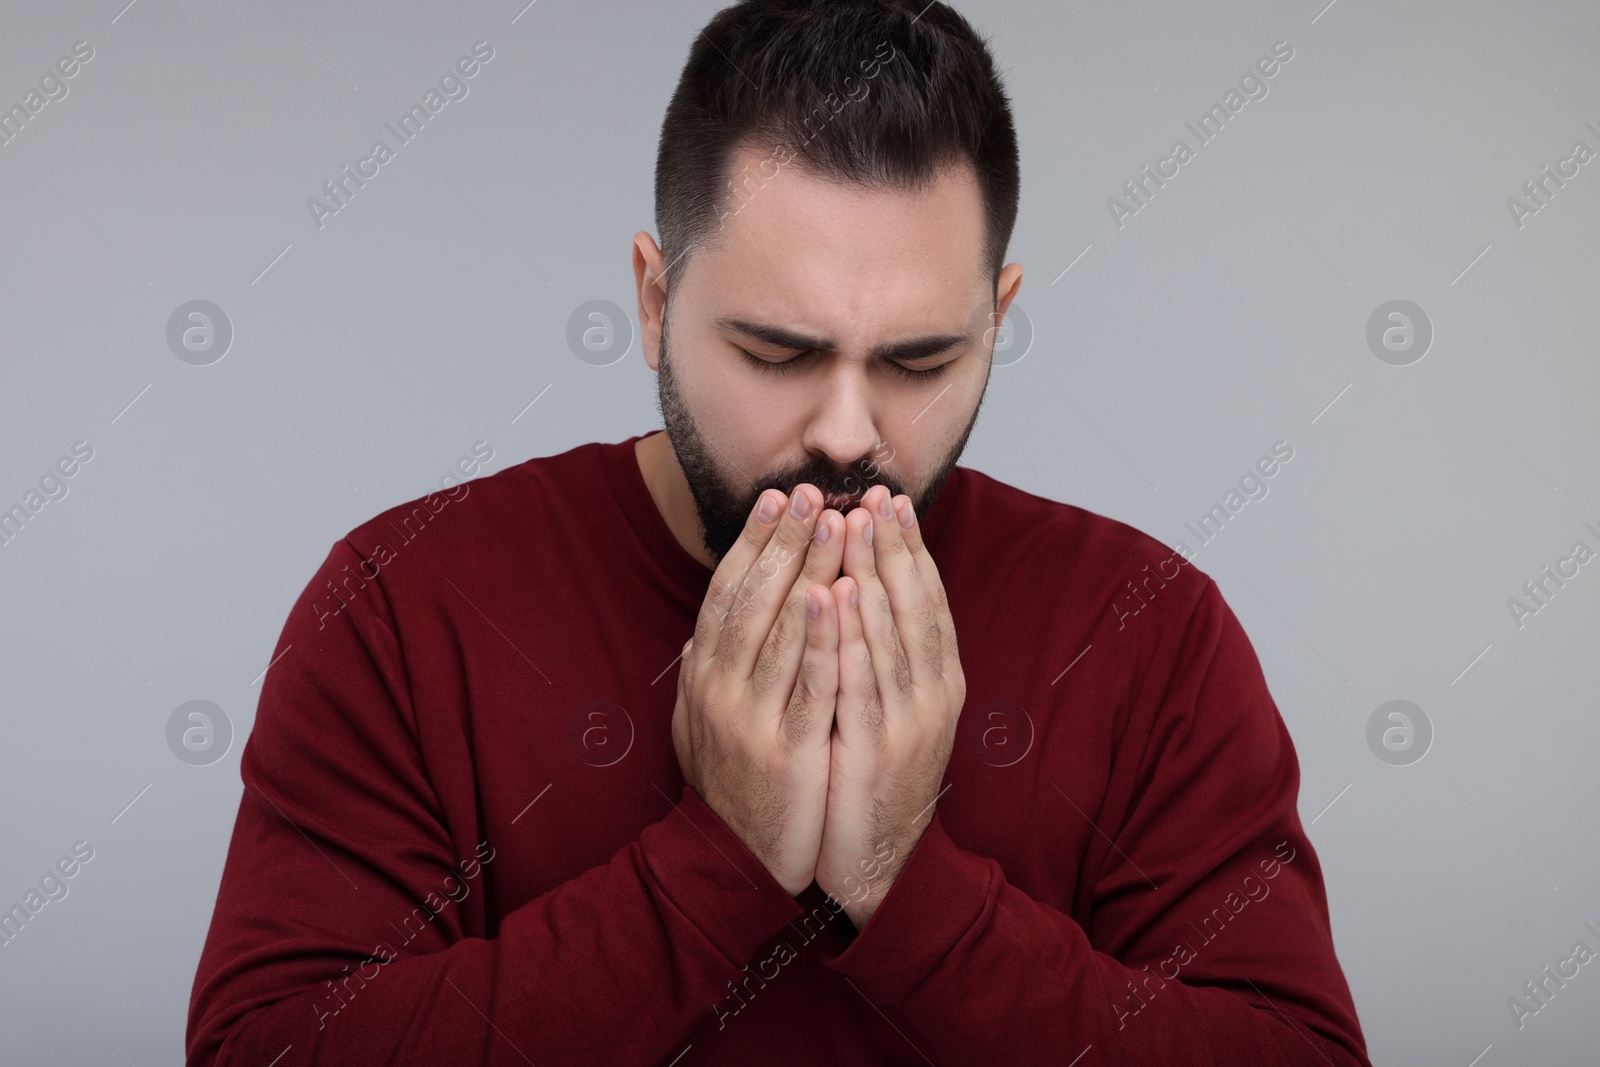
809,718
755,606
910,605
780,656
889,659
911,532
859,713
728,578
686,665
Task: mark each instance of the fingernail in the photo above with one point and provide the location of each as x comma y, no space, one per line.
908,515
886,506
800,505
812,607
822,532
768,509
855,593
866,533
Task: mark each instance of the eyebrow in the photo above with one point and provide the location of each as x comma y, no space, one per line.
912,348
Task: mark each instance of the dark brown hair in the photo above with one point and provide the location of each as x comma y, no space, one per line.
881,93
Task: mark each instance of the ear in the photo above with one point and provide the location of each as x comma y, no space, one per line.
1006,287
651,281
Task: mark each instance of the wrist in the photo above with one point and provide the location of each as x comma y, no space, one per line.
860,912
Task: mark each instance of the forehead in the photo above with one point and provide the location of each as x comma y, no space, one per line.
798,248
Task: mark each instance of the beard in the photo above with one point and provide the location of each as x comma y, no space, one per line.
724,496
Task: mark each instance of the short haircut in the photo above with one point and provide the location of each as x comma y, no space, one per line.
881,93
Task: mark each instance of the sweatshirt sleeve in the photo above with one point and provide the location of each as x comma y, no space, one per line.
340,853
1209,942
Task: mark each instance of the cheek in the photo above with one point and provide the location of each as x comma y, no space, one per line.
750,426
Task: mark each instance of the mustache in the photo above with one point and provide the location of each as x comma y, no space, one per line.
832,481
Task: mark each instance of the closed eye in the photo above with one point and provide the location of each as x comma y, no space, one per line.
788,366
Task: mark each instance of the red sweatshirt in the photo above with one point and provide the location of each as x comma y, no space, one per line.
464,837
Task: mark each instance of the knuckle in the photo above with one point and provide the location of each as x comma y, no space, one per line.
812,669
767,670
872,711
754,536
791,539
797,717
704,627
769,664
782,637
933,646
733,637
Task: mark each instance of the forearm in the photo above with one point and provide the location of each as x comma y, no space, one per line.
983,973
616,966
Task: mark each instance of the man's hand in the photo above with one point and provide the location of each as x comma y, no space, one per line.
758,680
901,690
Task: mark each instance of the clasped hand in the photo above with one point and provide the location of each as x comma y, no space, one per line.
818,698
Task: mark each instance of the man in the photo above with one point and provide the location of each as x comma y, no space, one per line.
665,751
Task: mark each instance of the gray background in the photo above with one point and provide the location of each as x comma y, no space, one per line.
1230,313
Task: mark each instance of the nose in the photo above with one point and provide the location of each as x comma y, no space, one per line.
842,426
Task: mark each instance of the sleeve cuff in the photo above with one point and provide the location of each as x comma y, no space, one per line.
938,896
713,879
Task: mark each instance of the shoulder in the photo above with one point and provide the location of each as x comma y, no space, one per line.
472,505
1085,560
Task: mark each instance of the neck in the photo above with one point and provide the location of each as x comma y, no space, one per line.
664,477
